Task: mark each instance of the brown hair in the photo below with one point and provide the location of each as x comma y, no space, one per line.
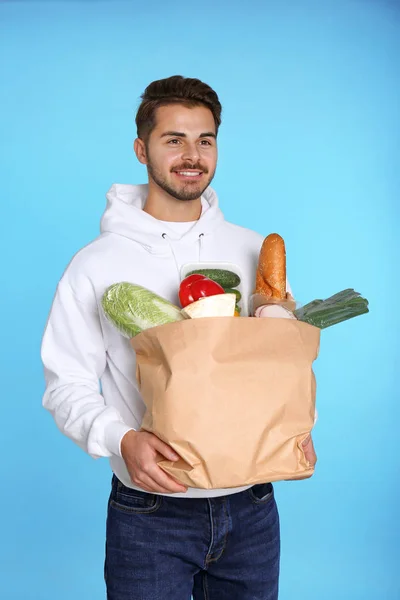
174,90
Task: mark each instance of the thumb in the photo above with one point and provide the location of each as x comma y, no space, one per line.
165,450
309,451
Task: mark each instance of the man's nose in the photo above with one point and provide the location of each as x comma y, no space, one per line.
191,152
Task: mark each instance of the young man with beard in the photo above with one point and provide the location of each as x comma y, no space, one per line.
163,541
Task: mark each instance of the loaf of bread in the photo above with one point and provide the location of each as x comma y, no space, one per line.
271,270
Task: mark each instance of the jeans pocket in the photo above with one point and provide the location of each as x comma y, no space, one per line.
261,493
133,501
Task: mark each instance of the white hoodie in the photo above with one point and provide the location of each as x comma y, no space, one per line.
89,367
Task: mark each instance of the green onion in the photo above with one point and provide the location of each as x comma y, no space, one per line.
339,307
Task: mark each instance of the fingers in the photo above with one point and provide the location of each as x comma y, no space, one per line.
149,485
164,449
159,476
156,480
141,461
309,451
162,479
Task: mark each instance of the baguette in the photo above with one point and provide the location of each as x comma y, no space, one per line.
271,270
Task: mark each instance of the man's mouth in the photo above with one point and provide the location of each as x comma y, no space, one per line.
189,174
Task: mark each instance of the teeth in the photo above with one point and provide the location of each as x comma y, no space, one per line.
188,174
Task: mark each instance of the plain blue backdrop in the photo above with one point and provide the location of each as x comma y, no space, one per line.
309,147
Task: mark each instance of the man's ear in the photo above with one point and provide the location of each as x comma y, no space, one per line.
140,150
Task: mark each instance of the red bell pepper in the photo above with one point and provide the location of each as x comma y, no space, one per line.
197,286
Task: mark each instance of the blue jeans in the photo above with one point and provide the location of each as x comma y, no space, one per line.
166,548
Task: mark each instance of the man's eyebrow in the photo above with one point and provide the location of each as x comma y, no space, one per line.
183,135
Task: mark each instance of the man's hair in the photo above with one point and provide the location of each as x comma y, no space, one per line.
174,90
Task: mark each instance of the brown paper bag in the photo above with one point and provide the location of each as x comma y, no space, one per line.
233,396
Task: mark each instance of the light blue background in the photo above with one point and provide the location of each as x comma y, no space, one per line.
309,147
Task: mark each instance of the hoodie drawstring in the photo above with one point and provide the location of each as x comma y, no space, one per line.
201,235
165,237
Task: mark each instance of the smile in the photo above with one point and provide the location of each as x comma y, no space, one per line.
189,174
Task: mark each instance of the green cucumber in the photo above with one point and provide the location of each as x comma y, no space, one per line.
225,278
232,291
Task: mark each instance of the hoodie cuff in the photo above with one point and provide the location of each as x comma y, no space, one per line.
114,433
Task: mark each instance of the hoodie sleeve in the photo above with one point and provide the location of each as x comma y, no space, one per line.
74,359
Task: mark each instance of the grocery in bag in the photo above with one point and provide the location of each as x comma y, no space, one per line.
233,395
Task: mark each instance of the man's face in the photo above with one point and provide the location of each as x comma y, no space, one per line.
181,152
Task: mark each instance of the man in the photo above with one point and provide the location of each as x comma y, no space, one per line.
163,541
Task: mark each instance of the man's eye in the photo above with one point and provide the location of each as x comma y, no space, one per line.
173,141
205,143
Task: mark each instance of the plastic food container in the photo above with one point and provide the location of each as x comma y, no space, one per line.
243,302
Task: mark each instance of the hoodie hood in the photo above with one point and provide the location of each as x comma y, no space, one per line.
124,216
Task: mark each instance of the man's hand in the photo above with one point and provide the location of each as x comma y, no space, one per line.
309,451
140,451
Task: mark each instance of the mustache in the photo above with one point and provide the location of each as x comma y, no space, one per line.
196,167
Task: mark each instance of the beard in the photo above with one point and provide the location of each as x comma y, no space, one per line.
182,191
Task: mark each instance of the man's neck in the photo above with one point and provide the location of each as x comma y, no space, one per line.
162,206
